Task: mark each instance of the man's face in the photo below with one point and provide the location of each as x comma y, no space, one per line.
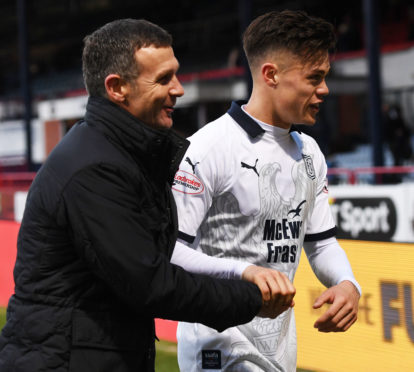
152,95
300,91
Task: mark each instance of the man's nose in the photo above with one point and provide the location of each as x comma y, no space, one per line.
177,89
322,89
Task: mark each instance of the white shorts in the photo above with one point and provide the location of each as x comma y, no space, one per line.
201,348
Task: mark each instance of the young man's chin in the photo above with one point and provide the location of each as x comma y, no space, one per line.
309,122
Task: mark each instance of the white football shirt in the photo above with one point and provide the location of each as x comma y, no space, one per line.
249,191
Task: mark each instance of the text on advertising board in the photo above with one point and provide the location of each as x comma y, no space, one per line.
365,218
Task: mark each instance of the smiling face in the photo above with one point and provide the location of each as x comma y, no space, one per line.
287,90
299,91
152,95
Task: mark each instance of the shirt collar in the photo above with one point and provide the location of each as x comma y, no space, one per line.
251,127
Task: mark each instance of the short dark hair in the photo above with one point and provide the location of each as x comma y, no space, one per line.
111,50
295,31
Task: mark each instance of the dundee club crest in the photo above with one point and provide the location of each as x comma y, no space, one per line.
310,170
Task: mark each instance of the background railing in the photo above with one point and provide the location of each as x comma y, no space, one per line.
352,176
378,175
16,180
14,185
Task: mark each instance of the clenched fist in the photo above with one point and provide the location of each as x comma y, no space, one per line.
277,290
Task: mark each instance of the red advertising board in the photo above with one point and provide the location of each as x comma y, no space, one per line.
8,241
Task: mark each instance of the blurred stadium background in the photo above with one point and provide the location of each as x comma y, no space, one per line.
365,129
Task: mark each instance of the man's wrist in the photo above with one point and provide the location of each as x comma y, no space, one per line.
355,285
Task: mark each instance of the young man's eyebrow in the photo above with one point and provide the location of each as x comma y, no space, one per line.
320,71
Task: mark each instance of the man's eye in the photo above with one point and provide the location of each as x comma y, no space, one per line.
316,78
165,79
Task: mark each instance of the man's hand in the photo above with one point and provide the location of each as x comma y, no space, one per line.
342,313
277,290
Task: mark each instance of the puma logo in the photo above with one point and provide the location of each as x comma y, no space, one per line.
188,160
253,167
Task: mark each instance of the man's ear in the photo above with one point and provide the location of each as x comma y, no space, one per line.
270,74
116,88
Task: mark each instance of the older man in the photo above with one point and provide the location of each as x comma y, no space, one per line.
93,264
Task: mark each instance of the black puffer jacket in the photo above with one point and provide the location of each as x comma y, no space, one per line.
93,268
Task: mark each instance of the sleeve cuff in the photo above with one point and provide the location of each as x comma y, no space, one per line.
353,281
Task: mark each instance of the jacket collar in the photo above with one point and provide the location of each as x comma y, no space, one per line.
158,151
251,127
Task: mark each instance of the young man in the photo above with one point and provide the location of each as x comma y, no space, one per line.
253,188
93,261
